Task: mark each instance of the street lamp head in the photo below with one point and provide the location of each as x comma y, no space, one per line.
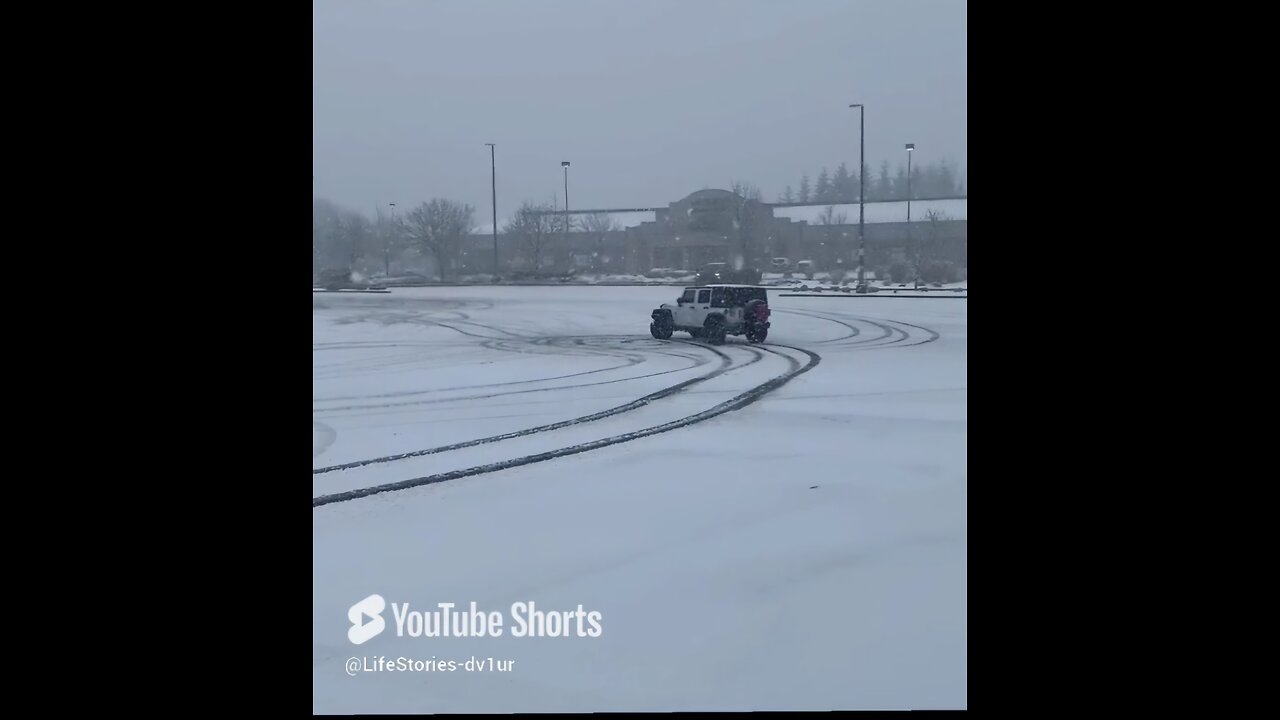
857,105
911,146
564,163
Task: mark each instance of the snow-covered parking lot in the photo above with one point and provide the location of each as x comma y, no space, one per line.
804,551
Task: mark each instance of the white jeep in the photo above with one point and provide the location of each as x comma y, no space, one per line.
714,311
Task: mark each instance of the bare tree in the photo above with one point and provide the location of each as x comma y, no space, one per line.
746,197
326,235
829,216
391,236
534,226
354,232
922,248
597,223
439,226
747,191
596,226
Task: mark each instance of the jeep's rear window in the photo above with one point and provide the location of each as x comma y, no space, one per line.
704,296
736,297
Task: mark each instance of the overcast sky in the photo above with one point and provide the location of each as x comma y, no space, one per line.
649,99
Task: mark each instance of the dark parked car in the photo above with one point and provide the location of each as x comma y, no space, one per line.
334,278
722,273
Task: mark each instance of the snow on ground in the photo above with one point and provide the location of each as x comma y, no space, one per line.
807,552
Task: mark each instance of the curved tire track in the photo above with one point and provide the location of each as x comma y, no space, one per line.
631,357
726,365
888,330
408,393
736,403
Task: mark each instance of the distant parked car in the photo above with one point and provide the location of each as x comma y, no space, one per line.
334,278
717,273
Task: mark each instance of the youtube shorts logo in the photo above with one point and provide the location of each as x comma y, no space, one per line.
366,619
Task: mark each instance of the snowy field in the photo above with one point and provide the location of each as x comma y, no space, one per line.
804,552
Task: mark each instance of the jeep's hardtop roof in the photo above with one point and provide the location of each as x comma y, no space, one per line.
720,285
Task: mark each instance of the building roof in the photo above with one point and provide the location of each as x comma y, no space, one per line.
878,212
621,219
874,212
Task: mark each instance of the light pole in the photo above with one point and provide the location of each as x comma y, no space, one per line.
386,243
565,164
911,147
493,178
862,189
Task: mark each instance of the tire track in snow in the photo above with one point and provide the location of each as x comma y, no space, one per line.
632,357
736,403
888,327
726,364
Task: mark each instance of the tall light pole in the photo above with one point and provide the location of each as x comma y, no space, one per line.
493,178
565,164
862,189
386,243
910,147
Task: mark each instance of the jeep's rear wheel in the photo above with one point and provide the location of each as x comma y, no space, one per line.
757,335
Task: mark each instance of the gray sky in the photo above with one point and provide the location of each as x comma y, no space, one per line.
649,99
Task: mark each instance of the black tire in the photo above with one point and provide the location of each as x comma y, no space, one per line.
757,335
713,331
660,331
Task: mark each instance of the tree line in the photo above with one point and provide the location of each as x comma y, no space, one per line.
436,229
349,240
936,179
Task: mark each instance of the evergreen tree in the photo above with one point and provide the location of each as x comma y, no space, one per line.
787,196
822,191
884,186
929,185
804,189
947,180
845,190
918,186
900,183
